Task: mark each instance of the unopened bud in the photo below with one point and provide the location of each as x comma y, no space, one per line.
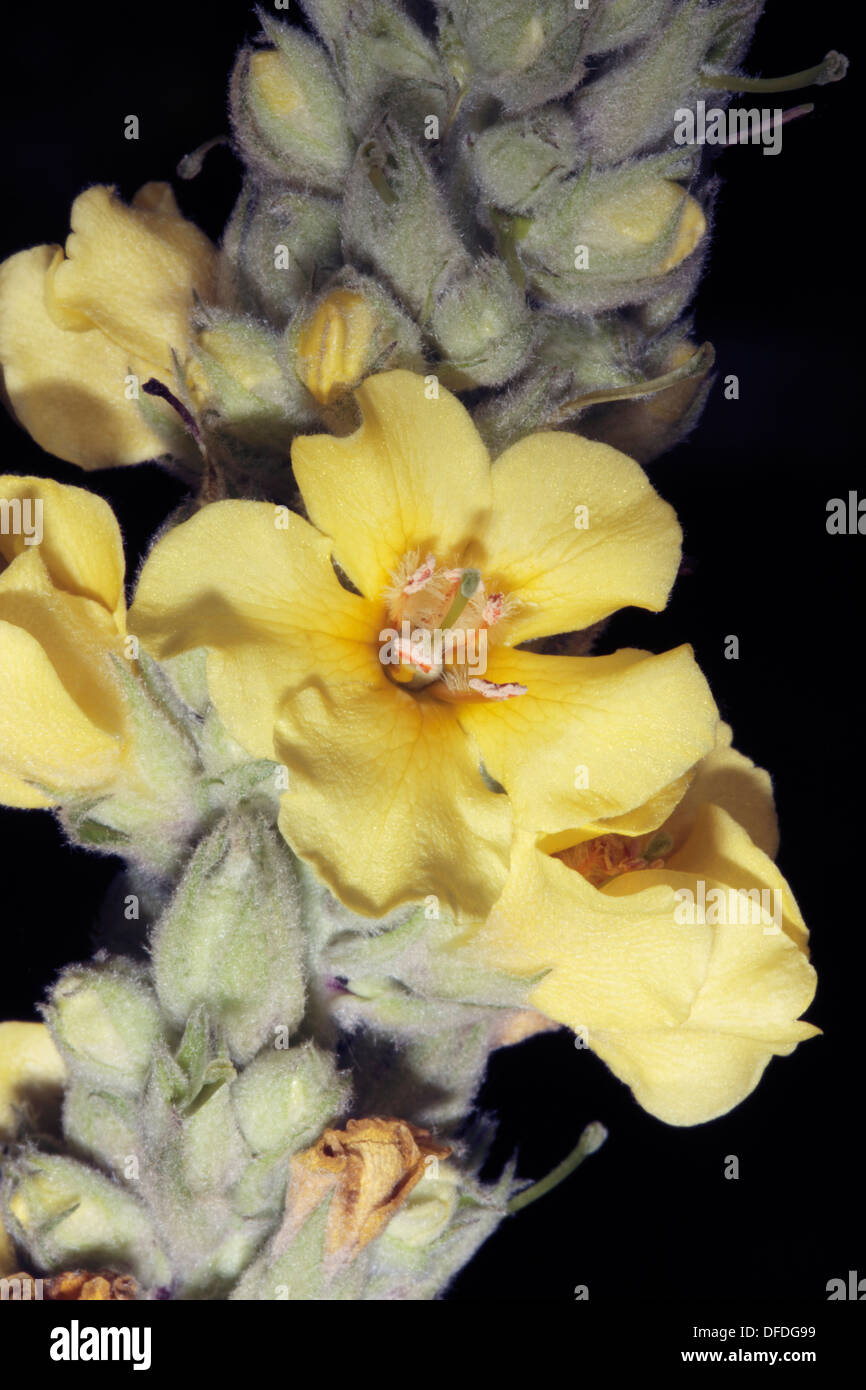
105,1020
285,1097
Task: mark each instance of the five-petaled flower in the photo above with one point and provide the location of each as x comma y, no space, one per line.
391,764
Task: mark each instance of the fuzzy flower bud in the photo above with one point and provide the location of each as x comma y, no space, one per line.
283,1099
105,1020
230,939
288,111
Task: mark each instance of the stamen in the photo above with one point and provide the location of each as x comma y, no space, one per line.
490,690
468,584
493,609
422,576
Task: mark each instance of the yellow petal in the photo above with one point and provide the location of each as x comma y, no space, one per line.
608,967
67,388
414,476
566,576
386,799
731,780
718,847
31,1073
593,737
80,546
61,713
131,271
255,584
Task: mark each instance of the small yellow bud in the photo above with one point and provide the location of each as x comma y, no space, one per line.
642,214
335,345
273,83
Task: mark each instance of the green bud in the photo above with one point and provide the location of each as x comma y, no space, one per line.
524,52
395,220
516,162
631,106
385,62
608,238
213,1154
102,1125
277,243
242,385
230,939
620,22
482,327
288,111
67,1215
106,1022
428,1210
286,1097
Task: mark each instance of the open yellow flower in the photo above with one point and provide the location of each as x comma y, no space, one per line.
382,732
75,328
62,619
679,956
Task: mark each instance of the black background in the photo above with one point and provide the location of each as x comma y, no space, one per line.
651,1216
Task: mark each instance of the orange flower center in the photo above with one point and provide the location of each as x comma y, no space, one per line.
609,856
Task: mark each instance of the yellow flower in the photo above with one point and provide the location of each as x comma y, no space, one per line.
74,329
62,617
382,732
679,955
334,345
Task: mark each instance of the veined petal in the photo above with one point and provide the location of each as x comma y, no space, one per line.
386,799
607,966
66,388
563,576
131,271
414,476
254,583
593,737
80,544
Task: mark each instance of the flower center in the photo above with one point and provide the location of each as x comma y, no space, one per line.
609,856
441,620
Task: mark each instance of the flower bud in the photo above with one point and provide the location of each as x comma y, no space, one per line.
429,1208
335,345
65,1214
384,59
617,23
524,52
238,380
651,425
275,241
101,1125
285,1097
516,162
605,240
230,939
288,111
482,327
395,219
105,1020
